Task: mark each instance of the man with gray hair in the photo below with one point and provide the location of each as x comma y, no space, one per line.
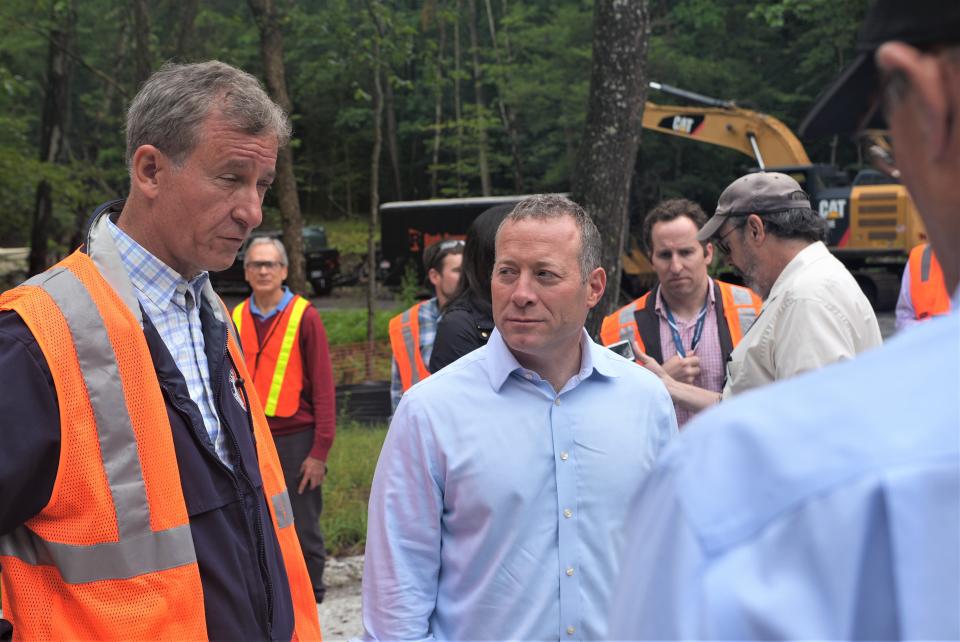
142,495
285,346
502,485
813,314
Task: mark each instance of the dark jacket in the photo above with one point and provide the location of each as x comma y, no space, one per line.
245,587
465,325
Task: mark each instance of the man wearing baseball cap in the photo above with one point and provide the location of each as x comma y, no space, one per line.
828,507
813,314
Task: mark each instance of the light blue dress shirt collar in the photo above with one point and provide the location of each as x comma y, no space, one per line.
501,363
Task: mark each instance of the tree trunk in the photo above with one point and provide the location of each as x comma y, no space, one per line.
143,58
438,99
608,151
485,186
53,126
392,150
348,183
457,99
372,6
92,149
507,117
188,17
271,47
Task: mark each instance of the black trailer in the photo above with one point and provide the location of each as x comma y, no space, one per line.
407,227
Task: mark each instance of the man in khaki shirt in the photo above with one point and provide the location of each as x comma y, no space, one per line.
814,313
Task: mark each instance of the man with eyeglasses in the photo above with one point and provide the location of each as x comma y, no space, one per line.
828,507
413,331
285,347
813,314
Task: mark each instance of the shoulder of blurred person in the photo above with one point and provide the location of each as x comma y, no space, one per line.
841,522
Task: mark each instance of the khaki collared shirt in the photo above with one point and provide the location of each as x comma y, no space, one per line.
816,314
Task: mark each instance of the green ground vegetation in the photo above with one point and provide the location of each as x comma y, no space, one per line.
350,325
352,461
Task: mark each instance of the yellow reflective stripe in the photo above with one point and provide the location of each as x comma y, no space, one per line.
299,306
238,314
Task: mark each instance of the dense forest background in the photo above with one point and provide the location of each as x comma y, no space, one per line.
479,96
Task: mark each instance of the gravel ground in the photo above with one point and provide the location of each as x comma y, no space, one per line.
340,611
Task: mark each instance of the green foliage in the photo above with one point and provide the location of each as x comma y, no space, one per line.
349,235
774,56
350,325
410,286
346,490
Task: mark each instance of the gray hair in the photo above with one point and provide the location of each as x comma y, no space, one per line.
553,206
169,109
266,240
795,223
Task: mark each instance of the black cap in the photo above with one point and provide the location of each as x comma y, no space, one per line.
842,107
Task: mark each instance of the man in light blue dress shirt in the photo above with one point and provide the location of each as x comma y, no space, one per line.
498,502
828,506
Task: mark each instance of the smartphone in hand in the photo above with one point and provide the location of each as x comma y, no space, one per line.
624,349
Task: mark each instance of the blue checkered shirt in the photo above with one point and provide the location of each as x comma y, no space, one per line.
172,303
427,317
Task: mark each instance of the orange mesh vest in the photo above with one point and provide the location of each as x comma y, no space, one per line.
111,556
740,309
405,342
277,365
928,291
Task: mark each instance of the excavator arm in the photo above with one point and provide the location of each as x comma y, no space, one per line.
759,136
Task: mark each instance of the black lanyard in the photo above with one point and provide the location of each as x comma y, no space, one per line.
697,330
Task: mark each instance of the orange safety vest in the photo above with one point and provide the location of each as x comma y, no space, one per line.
405,342
928,290
741,306
278,365
111,555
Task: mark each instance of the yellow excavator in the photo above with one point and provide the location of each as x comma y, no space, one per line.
872,223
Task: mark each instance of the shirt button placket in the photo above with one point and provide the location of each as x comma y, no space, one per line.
566,479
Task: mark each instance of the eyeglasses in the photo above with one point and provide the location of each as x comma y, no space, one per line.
721,241
256,266
450,244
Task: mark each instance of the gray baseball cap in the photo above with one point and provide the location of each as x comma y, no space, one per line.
758,193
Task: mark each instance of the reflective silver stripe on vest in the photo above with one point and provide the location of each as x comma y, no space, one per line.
282,509
626,318
108,561
744,303
925,260
409,343
140,550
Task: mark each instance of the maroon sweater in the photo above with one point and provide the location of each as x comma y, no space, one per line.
317,409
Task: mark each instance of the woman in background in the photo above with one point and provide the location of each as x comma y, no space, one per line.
467,321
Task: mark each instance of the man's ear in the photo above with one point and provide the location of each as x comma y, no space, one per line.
754,230
434,277
926,88
145,169
596,284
